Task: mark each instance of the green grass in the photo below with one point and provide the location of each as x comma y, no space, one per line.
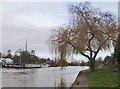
102,78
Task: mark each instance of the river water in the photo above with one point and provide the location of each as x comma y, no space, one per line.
43,77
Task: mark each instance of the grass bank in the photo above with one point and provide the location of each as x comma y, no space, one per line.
102,78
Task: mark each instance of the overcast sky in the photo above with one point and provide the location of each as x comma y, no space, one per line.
34,21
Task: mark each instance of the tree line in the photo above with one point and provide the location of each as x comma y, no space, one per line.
26,57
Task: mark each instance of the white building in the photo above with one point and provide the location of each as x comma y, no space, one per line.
6,61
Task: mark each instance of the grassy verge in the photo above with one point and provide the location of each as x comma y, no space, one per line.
102,78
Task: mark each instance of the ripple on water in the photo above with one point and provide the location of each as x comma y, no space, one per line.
43,77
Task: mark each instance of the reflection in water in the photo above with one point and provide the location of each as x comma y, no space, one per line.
62,83
43,77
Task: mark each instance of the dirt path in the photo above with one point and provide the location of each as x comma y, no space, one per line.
81,81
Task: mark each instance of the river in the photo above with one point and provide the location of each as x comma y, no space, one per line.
43,77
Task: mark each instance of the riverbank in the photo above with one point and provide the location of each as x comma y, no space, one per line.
81,81
100,78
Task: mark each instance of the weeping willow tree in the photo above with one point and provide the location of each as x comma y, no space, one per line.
59,42
90,30
93,30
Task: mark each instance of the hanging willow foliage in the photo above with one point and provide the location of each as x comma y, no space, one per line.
90,30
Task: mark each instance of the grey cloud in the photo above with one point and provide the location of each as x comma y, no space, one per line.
15,37
23,21
36,7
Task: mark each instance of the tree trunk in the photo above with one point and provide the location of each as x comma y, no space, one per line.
92,65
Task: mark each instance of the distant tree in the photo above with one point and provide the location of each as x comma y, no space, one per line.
42,60
82,63
9,55
53,63
48,59
98,62
32,52
117,48
16,59
4,55
110,60
9,51
0,54
73,63
90,30
19,53
25,57
34,59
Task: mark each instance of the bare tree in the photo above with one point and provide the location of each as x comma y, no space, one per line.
90,30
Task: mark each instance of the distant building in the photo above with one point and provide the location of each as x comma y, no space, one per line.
6,61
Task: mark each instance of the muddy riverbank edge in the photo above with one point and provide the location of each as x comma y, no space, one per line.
81,81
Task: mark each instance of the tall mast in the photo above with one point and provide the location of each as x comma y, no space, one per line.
26,46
